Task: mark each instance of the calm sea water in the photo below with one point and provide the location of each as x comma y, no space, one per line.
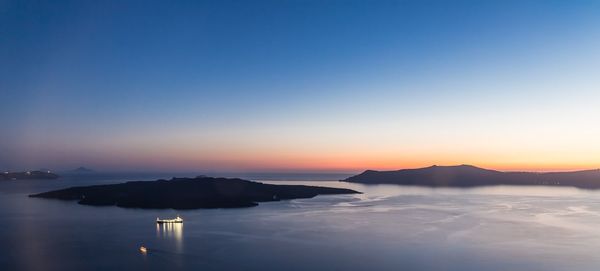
386,228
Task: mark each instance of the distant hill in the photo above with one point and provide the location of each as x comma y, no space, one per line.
469,176
28,175
81,170
188,193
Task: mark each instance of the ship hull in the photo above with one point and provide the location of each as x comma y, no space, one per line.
169,222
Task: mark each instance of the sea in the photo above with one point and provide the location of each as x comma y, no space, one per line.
387,227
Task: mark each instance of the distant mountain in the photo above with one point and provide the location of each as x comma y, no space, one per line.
188,193
81,170
469,176
28,175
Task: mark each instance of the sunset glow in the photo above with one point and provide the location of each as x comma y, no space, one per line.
436,88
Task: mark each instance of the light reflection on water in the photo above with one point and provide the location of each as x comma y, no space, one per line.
389,190
171,231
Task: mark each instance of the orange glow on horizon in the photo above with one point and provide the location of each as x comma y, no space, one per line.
232,156
190,161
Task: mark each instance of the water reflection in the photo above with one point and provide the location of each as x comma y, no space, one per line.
171,231
486,228
379,191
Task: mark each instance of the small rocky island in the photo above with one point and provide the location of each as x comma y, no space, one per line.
188,193
28,175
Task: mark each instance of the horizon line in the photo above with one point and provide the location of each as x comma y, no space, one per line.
306,170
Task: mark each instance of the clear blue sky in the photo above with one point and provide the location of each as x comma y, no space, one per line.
299,85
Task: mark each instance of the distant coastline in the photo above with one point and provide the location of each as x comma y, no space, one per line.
470,176
28,175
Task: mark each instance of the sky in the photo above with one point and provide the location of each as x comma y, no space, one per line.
299,85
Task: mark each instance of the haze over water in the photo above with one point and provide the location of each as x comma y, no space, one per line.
386,228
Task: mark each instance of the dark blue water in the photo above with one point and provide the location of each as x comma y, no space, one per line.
387,228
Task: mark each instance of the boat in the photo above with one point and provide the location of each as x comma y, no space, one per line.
143,249
174,220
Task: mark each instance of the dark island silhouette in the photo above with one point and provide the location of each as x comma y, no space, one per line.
28,175
470,176
188,193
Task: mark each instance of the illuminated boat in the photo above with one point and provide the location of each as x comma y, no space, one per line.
143,249
175,220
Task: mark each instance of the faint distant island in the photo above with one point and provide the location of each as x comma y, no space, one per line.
188,193
469,176
28,175
81,170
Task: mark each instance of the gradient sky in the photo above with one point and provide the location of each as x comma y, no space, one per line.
299,85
